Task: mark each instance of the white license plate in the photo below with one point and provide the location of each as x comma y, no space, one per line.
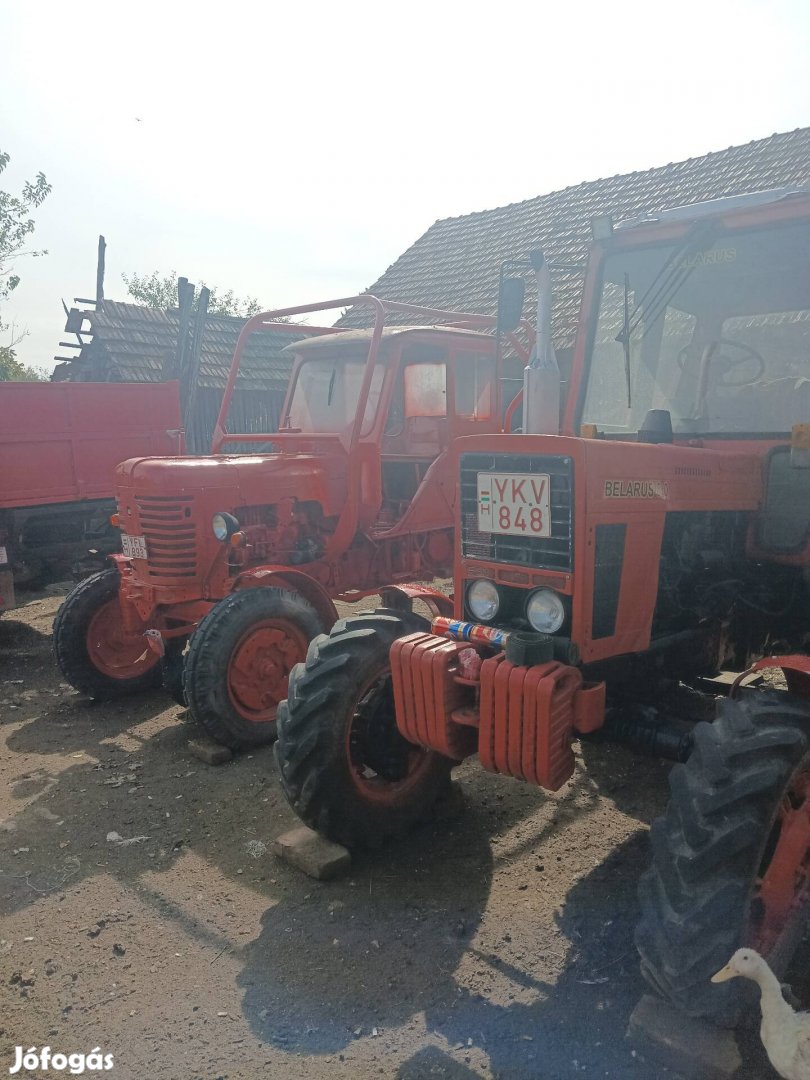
517,504
3,555
134,547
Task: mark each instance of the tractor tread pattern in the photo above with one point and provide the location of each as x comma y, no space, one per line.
707,848
310,752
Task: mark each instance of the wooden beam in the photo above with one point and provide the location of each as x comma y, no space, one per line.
102,251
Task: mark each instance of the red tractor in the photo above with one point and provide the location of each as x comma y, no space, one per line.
242,554
602,576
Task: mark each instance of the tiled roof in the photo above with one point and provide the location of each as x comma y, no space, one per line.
456,263
135,341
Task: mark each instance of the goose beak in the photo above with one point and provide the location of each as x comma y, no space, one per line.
724,974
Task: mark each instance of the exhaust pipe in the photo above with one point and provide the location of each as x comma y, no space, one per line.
541,376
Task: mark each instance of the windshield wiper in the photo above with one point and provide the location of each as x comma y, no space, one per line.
669,279
331,389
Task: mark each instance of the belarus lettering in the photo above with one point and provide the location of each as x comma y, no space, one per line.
636,489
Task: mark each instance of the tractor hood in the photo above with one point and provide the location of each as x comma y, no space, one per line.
237,480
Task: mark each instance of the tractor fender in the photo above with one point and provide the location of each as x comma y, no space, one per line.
401,598
284,577
796,667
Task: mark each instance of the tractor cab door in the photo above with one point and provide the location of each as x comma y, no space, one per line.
416,426
442,390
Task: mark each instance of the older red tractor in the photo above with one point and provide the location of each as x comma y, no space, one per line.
602,575
243,553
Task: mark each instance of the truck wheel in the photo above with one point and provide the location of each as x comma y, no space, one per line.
240,658
731,857
94,652
345,769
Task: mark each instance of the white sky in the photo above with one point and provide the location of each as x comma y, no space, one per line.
293,151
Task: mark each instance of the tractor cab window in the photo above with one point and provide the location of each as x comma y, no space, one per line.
419,399
475,385
326,397
716,330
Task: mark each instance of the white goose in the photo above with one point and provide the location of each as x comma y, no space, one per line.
785,1034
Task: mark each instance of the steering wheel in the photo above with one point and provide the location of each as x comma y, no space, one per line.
713,351
747,355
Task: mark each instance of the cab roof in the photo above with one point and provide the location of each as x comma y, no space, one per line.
355,337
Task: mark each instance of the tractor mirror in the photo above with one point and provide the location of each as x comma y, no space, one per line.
510,303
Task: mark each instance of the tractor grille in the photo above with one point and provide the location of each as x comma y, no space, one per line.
555,552
168,527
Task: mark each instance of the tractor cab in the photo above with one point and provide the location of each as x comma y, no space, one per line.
426,386
707,320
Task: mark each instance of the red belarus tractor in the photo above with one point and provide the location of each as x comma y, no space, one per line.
601,577
244,553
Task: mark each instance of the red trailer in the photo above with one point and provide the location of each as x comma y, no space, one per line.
59,446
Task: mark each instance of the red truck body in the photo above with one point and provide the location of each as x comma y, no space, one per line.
59,446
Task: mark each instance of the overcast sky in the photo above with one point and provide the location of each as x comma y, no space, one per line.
293,151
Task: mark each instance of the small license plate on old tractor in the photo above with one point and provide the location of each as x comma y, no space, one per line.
134,547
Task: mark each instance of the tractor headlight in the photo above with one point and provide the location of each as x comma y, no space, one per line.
483,600
224,526
545,611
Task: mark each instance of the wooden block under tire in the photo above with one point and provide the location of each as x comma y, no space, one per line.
318,857
693,1048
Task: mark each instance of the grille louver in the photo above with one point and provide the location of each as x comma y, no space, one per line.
547,553
168,527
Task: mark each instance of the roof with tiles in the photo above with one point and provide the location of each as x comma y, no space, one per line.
136,342
456,263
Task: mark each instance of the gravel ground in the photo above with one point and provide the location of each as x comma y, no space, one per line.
494,944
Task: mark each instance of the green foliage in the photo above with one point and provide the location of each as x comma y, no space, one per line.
160,291
16,225
11,370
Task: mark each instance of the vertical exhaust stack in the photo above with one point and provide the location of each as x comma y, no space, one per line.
541,376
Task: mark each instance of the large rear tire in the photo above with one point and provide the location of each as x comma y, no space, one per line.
345,769
94,652
731,857
239,660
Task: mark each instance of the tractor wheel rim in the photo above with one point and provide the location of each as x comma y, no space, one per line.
384,766
260,665
782,887
112,650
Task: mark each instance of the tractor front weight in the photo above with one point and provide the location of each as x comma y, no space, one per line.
460,698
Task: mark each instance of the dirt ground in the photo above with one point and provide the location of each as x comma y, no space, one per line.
494,944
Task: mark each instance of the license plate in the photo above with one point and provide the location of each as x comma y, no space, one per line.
134,547
516,504
3,555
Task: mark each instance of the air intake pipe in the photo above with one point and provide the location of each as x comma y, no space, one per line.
541,376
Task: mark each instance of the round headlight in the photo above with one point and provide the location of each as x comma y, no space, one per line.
483,600
224,526
545,611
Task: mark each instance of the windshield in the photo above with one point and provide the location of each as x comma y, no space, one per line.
326,395
715,330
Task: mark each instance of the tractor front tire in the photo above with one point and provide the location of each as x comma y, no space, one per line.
239,659
727,869
345,769
94,652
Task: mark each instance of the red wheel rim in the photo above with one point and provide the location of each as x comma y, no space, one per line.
260,665
112,650
384,766
782,888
